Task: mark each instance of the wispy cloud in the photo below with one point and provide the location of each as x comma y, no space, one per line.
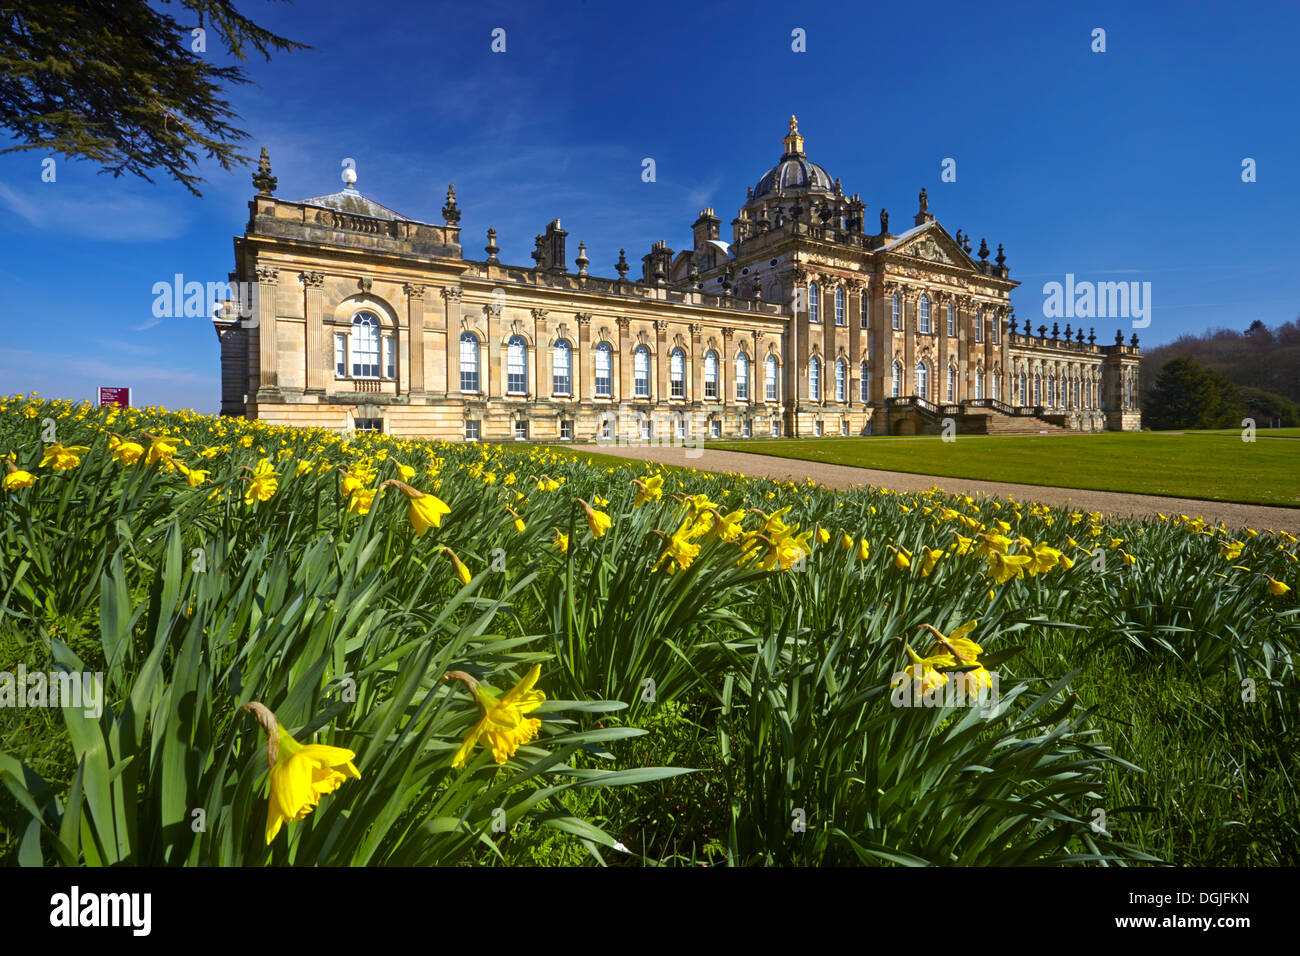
109,215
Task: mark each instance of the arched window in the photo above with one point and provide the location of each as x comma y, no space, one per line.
468,362
1038,389
923,314
997,387
364,345
677,373
562,368
742,376
841,380
641,372
604,370
814,379
1024,386
864,383
840,318
979,383
711,374
898,312
898,379
952,319
952,384
516,366
814,302
771,383
922,380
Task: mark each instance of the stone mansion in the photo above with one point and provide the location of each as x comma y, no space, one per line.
803,324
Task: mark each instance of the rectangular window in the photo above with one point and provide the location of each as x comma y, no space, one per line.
641,366
715,429
472,430
469,364
866,310
340,355
898,313
681,428
979,327
517,371
952,320
390,358
604,373
839,308
561,375
368,424
566,430
521,431
997,332
645,429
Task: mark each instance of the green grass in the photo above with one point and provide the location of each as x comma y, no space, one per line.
1213,467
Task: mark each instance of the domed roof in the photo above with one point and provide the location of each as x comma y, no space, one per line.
795,170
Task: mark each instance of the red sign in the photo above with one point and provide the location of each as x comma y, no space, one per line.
109,395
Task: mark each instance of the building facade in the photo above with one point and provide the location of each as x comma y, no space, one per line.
802,324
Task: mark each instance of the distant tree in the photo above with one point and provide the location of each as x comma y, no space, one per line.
1260,357
125,85
1266,408
1259,333
1187,395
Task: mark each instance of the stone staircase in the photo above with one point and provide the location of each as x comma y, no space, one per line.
985,416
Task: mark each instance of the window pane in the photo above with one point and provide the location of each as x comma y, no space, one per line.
468,362
641,367
771,378
516,367
340,354
365,345
604,370
562,375
390,358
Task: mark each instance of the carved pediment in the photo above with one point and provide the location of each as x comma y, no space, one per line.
935,245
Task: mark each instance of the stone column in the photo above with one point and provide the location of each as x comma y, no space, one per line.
267,378
413,353
451,320
659,364
317,357
583,355
694,388
622,362
539,364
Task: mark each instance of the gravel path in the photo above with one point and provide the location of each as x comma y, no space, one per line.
1232,515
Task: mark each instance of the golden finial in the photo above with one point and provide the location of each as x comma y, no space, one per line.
793,141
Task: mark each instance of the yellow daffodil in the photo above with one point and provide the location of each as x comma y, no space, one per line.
458,566
424,511
300,773
1277,588
503,728
62,457
263,483
359,501
864,550
1007,566
597,521
561,540
161,448
929,560
125,452
17,478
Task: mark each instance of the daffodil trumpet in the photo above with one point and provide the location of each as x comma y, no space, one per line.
300,774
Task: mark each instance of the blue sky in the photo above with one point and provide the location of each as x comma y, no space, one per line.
1117,165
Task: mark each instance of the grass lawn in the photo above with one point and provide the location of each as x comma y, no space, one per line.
1215,467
